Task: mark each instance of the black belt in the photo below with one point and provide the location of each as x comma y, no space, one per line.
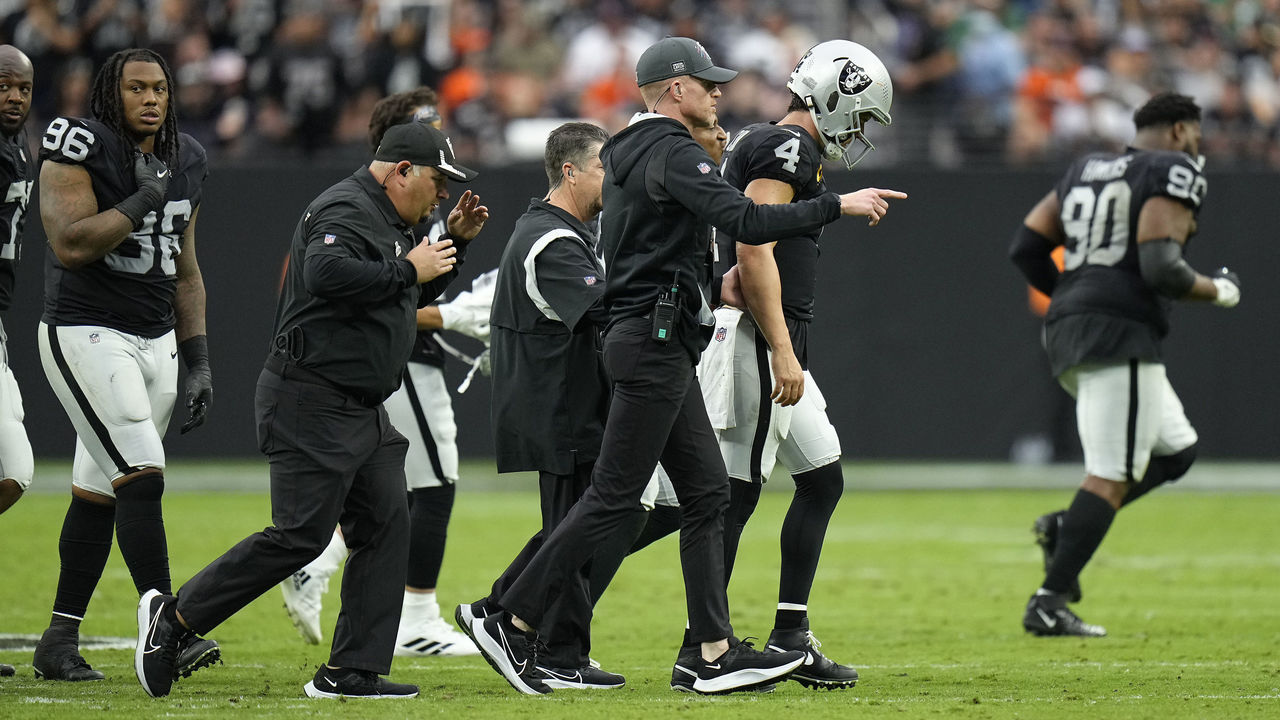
287,370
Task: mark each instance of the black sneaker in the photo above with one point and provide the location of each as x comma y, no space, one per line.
1047,614
6,670
583,678
685,671
352,684
160,637
195,653
818,671
58,657
742,667
468,613
512,653
1046,529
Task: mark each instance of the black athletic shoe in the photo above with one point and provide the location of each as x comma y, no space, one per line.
583,678
195,653
742,667
685,671
6,670
514,654
468,613
352,684
818,671
58,657
1048,615
155,659
1046,528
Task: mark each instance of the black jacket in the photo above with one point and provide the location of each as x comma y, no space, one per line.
348,305
550,391
662,194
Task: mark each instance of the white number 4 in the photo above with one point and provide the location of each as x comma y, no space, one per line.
74,144
790,152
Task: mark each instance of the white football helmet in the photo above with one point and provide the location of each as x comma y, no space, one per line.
844,84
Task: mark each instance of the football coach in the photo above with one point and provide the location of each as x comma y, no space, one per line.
344,328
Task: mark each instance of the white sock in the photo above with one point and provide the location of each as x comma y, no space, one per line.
419,606
331,558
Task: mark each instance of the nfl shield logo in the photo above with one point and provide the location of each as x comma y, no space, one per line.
704,168
329,239
589,280
721,334
94,339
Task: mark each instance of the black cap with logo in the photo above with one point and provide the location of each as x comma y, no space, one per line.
676,56
421,144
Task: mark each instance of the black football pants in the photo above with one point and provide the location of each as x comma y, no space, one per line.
333,461
656,414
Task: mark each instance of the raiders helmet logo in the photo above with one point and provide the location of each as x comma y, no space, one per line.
853,79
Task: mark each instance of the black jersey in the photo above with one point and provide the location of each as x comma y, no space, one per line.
130,288
789,154
16,176
1102,310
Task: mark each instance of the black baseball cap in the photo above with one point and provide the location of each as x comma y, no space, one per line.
421,144
676,56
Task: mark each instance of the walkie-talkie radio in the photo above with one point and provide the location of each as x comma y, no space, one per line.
664,311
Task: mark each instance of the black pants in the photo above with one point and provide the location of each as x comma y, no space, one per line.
332,461
656,414
568,620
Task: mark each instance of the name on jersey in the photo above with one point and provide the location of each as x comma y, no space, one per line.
1104,169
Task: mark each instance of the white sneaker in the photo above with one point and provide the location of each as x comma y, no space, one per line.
303,594
432,636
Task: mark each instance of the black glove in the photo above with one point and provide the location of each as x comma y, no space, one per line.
153,179
195,353
1228,284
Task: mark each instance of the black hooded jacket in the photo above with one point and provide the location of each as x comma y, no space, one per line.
662,194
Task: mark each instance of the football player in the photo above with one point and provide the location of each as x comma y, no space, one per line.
422,410
119,195
16,177
768,407
1123,220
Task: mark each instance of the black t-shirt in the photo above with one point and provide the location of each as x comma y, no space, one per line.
788,154
1102,310
131,288
17,174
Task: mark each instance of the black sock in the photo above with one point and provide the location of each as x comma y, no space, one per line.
805,527
1081,532
743,498
140,531
429,513
83,548
661,522
1160,470
790,619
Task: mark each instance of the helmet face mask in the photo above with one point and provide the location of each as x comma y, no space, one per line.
843,84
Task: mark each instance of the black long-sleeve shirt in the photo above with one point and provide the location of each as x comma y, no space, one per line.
347,309
662,195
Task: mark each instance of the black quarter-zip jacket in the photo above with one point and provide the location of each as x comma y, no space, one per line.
662,195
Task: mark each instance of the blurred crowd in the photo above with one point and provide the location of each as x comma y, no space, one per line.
976,82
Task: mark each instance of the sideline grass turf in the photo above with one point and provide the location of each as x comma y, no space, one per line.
921,590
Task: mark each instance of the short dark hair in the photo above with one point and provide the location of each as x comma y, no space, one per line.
573,143
1166,109
397,109
107,107
797,103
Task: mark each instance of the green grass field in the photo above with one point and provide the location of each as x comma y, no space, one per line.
921,590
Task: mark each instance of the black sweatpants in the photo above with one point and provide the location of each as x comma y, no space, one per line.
656,414
333,461
568,620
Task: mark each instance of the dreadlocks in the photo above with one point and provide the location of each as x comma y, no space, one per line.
106,106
